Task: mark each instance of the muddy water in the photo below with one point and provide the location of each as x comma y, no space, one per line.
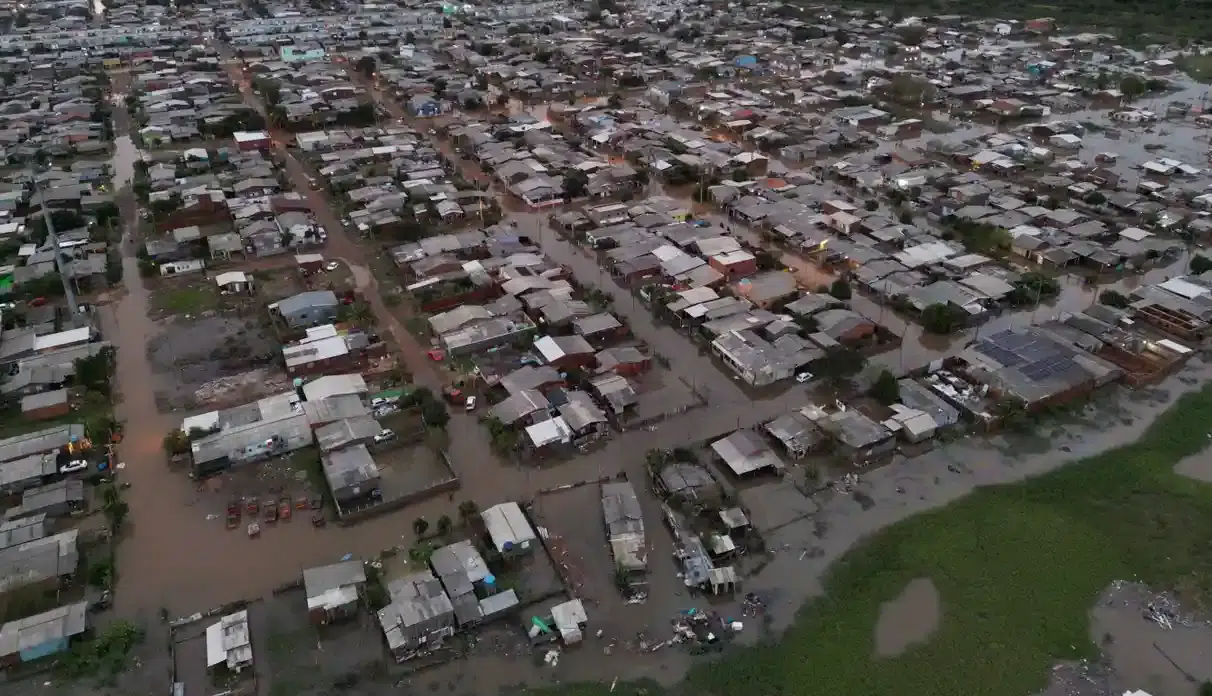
910,486
123,163
1144,655
177,553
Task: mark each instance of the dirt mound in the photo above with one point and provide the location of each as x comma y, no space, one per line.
909,619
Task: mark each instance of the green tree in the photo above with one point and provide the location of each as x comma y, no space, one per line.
1112,298
114,507
886,389
444,525
93,372
176,442
576,184
840,289
366,66
468,510
1132,87
1032,288
941,319
420,526
434,413
839,365
1200,264
766,260
1095,198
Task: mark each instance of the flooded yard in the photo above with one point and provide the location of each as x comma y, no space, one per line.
197,362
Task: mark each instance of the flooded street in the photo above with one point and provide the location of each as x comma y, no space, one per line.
178,556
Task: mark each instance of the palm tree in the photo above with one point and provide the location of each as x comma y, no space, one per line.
444,525
419,526
468,510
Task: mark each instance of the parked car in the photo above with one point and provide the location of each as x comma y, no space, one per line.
471,404
385,435
331,266
803,377
73,466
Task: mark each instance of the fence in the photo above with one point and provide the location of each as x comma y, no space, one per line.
347,517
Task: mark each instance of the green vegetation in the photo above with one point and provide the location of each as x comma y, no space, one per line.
981,238
1133,21
839,365
188,300
1032,288
840,289
104,656
468,511
1112,298
942,319
886,389
1017,567
114,507
1200,264
433,411
1198,67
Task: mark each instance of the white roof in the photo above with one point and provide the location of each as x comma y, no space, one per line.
314,350
699,295
62,338
249,136
568,618
549,349
230,277
508,526
227,642
549,432
1183,288
1134,234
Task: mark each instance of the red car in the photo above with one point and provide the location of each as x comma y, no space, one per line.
437,355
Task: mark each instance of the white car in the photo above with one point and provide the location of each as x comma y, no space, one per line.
331,266
384,435
803,377
471,404
73,466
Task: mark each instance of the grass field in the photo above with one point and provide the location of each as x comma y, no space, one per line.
188,299
1018,569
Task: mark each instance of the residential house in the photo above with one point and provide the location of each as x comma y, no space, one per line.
509,530
306,309
333,591
42,635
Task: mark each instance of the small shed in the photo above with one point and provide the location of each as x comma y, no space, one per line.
228,643
509,529
332,590
234,282
42,635
570,620
45,405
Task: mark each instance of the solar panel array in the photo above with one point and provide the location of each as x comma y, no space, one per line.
1038,358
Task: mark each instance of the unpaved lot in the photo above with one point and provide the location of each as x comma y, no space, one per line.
190,354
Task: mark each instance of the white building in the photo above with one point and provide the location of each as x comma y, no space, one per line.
228,643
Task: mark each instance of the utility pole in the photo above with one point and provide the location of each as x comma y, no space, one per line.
53,238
